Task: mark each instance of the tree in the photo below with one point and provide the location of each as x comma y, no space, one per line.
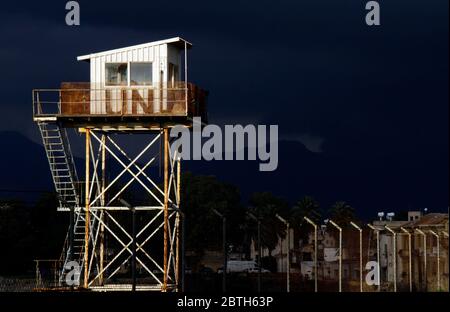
49,227
265,206
14,234
29,232
305,207
199,195
342,213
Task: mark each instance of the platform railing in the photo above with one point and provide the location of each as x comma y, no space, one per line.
85,99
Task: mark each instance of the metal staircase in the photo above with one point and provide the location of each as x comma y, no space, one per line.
77,254
61,163
65,179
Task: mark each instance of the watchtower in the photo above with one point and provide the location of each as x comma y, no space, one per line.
138,89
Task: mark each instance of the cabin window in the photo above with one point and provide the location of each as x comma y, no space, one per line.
140,74
116,74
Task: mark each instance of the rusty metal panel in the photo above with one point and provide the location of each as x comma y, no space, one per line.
79,99
75,98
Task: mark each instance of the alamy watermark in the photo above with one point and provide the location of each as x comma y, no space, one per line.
373,16
72,277
73,16
212,143
372,277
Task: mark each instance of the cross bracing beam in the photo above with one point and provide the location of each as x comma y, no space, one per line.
102,213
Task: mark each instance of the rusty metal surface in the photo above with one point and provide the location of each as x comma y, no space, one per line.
81,99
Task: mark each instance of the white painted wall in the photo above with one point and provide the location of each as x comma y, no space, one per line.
158,55
279,252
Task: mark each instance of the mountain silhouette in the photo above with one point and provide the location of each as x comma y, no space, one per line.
369,184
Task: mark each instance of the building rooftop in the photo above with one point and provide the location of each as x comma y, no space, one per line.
428,220
177,41
432,219
393,224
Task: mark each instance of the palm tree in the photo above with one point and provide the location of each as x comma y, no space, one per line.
342,213
265,206
305,207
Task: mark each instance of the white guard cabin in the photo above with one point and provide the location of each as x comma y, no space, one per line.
129,87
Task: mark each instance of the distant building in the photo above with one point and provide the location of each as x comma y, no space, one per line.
302,253
279,253
328,256
437,222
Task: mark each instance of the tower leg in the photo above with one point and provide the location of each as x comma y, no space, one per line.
102,214
166,207
87,217
177,222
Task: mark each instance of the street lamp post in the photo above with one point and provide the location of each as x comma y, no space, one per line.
409,257
394,254
258,220
224,246
178,210
183,248
446,235
133,230
133,243
315,250
377,231
340,252
288,265
360,255
438,261
424,255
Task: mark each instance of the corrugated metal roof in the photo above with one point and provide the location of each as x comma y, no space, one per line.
176,41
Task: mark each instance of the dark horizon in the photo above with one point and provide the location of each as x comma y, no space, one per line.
226,171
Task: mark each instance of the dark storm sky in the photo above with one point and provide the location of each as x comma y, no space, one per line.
369,94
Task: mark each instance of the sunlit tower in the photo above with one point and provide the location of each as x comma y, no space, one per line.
141,89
